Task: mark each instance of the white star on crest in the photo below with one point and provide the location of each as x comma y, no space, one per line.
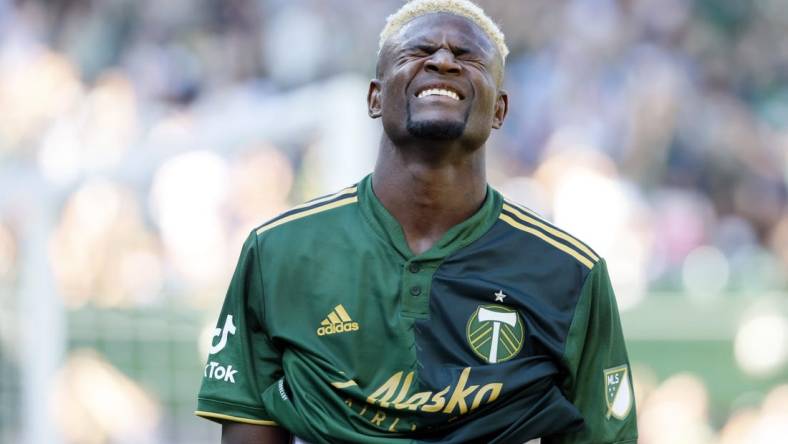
499,296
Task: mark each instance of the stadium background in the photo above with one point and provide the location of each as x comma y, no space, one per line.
141,140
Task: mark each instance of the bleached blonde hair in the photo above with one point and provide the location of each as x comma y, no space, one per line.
463,8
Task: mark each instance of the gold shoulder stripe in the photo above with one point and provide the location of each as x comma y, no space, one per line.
235,418
347,190
519,212
582,259
337,204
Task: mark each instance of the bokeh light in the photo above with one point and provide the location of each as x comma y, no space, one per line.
589,200
187,198
260,185
761,345
705,273
95,403
676,412
35,86
8,252
100,232
766,425
93,136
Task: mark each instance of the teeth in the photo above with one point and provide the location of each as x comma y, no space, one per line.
439,92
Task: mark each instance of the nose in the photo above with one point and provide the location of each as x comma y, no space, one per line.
443,62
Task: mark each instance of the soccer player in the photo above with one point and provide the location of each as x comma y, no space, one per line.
420,305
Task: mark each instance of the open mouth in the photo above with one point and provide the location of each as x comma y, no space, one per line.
439,91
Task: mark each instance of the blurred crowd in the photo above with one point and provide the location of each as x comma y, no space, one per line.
145,139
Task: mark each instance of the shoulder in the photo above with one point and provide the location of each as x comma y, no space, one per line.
532,228
310,215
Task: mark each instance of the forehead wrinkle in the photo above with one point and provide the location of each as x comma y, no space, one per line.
475,39
400,40
463,42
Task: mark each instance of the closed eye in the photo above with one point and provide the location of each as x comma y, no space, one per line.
472,60
459,51
425,49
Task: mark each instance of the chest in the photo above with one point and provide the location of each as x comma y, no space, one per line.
376,307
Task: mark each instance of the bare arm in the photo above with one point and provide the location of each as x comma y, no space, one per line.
238,433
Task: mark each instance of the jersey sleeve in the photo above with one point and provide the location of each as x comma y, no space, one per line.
242,361
599,381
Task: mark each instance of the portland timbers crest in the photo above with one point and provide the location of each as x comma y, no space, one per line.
495,333
618,392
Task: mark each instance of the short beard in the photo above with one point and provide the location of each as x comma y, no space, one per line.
435,129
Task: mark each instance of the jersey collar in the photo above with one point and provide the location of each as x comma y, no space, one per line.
460,235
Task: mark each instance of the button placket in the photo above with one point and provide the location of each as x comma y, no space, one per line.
415,281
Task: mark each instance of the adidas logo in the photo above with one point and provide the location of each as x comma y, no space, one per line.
338,321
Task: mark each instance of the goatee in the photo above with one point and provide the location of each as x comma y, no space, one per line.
435,129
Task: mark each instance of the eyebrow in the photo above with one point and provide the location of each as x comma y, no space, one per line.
459,49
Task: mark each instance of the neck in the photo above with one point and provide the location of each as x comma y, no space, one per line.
429,189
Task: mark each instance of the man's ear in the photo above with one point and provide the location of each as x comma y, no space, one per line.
374,105
501,109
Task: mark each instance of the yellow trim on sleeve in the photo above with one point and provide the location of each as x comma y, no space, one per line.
520,213
325,199
582,259
337,204
235,418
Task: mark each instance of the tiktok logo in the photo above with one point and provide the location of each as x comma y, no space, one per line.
228,329
219,372
215,370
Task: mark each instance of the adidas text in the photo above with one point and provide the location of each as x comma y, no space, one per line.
337,328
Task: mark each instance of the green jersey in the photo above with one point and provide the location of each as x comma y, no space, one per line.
506,330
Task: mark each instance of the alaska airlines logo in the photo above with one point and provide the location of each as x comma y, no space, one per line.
495,333
338,321
459,398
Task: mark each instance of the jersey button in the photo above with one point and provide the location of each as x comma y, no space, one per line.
415,291
414,268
